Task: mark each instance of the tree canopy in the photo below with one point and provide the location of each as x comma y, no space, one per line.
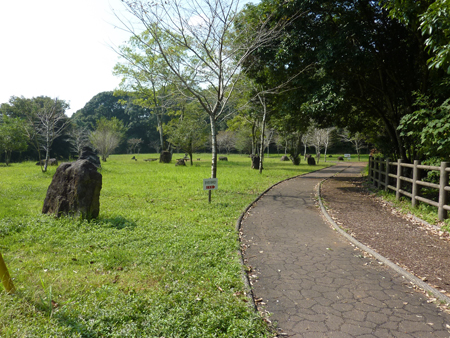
366,66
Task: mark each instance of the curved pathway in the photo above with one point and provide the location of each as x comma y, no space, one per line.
315,284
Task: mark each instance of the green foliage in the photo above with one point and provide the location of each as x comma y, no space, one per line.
159,262
138,120
12,135
189,132
433,19
429,128
43,116
107,136
435,24
360,64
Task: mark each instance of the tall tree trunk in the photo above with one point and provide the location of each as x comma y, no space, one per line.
213,146
263,130
160,129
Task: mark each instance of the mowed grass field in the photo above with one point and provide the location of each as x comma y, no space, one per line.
160,261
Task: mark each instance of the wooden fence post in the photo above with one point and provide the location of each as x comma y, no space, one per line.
442,213
386,177
370,169
399,182
415,186
380,169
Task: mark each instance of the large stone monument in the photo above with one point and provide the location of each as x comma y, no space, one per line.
165,157
75,188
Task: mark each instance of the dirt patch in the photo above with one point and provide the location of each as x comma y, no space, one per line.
416,247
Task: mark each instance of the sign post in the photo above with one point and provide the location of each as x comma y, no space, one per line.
347,156
210,184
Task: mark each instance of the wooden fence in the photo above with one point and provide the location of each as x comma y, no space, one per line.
381,176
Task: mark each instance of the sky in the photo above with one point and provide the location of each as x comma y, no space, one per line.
59,48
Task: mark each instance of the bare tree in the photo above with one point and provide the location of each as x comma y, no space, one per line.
50,124
357,139
317,141
226,140
268,138
327,140
133,144
210,51
106,138
306,141
155,145
78,138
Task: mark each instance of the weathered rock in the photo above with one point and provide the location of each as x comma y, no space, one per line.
180,162
255,162
284,158
51,161
295,160
87,153
311,161
223,158
165,157
75,190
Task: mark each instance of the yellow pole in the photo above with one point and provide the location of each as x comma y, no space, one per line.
4,276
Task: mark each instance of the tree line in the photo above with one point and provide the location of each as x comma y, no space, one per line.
214,74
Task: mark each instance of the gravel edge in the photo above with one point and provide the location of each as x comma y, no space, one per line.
413,279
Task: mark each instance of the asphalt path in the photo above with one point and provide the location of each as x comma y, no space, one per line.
315,283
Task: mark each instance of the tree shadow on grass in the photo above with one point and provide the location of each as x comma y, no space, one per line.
51,309
118,222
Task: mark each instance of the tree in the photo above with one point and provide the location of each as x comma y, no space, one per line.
145,77
12,136
292,128
189,132
133,145
366,65
212,51
435,23
357,139
106,138
139,121
327,140
317,140
429,128
45,121
78,138
432,18
50,124
226,139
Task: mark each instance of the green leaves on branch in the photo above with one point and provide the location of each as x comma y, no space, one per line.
430,127
12,136
108,135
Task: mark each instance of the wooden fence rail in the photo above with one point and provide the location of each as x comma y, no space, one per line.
381,176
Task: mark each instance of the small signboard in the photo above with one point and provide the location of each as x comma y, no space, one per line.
347,156
210,184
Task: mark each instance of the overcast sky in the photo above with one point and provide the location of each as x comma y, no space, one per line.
58,48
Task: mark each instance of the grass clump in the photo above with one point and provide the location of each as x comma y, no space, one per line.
158,262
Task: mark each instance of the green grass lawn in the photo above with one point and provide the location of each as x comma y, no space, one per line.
159,262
